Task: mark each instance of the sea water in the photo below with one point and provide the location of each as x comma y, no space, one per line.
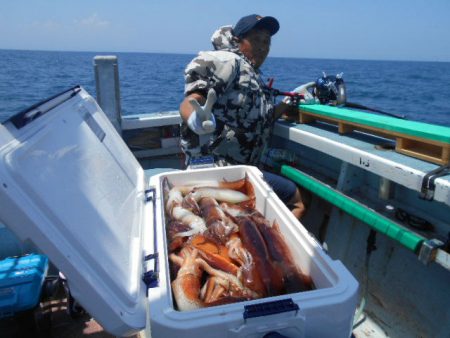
154,82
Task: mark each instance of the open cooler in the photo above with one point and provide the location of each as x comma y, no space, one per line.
69,183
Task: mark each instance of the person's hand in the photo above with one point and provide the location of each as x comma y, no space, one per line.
286,111
201,120
303,90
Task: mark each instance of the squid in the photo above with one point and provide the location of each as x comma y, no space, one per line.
173,229
280,256
186,210
247,272
238,192
187,288
219,194
225,253
252,239
216,255
175,210
238,185
219,226
294,279
219,291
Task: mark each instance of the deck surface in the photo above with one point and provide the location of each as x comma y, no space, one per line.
62,325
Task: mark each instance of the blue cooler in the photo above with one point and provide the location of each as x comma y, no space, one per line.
21,279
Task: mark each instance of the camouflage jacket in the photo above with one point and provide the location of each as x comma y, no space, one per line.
244,106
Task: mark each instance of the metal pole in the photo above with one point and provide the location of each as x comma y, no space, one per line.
107,87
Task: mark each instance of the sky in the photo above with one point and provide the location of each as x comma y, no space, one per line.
416,30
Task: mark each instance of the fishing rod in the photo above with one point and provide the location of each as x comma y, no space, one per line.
360,106
329,90
295,97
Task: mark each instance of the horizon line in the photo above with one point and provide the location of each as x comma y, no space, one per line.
184,53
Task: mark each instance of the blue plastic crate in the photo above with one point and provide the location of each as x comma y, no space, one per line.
21,280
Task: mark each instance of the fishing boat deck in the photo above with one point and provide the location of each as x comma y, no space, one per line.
62,324
372,153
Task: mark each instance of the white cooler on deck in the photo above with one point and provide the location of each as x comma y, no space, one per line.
70,184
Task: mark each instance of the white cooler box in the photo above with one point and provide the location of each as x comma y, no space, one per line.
70,184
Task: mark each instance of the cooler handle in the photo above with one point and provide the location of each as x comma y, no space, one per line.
8,298
151,277
37,110
274,334
270,308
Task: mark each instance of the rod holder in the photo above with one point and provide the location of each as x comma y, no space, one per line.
385,189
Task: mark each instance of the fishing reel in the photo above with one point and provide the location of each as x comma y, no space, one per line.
330,89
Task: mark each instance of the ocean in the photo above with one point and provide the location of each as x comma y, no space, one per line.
154,82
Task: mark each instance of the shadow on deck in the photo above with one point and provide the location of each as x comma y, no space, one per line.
51,319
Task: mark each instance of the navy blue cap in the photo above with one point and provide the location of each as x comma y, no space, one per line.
247,23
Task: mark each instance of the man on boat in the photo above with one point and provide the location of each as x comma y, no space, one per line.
238,113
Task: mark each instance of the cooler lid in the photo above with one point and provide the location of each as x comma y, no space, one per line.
70,184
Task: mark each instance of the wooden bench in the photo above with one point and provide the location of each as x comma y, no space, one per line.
421,140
